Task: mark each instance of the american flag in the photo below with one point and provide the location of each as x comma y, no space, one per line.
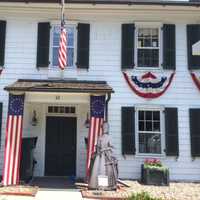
12,154
97,106
62,53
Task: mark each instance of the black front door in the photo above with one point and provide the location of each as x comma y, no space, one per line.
60,158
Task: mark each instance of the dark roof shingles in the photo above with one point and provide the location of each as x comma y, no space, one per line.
60,86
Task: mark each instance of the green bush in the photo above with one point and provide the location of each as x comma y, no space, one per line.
142,196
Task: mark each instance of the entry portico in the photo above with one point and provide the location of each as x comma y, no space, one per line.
60,108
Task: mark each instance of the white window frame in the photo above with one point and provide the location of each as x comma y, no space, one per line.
57,23
162,132
160,38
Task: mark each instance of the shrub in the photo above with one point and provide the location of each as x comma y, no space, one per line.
142,196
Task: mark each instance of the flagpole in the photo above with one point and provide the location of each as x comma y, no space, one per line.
62,21
62,10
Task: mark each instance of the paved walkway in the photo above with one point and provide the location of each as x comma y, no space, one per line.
48,195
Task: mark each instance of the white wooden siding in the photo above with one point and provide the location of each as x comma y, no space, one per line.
105,64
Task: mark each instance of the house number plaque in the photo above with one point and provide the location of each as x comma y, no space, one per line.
57,97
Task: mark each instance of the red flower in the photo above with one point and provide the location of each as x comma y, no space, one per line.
152,161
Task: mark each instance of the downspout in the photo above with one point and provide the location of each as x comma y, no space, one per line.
106,107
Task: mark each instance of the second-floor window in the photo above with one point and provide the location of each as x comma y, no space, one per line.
70,45
148,47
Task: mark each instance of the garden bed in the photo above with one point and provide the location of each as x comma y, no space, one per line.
175,191
19,190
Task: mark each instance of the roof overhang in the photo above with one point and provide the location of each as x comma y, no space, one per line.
126,2
59,86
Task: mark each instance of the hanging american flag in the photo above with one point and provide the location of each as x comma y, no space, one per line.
62,53
12,154
97,106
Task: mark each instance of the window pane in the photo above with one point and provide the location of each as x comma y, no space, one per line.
55,109
154,42
155,58
73,110
70,54
148,57
141,115
55,56
149,126
50,109
149,143
156,126
56,35
70,37
156,115
66,109
155,37
62,109
148,115
141,126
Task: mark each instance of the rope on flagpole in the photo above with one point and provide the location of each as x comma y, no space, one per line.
62,11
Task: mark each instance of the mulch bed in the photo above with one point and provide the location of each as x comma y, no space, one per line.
19,190
175,191
120,194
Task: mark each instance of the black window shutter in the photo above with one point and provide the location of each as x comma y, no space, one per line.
169,46
171,132
2,41
193,36
128,130
43,44
195,131
83,46
127,46
1,115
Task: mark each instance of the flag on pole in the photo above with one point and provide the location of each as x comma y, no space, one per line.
62,52
12,154
97,107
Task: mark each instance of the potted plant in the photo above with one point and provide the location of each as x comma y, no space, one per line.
154,173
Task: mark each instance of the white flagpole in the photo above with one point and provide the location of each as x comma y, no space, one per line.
62,21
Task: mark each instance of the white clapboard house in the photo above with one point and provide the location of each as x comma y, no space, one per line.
137,53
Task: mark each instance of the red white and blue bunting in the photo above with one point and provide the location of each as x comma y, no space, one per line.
149,85
196,79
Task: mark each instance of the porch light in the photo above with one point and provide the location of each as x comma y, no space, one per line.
34,119
87,122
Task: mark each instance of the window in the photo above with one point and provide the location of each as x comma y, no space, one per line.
148,46
70,45
149,131
61,110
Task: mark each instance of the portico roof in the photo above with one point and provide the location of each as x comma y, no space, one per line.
72,86
129,2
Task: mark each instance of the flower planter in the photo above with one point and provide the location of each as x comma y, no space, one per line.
155,176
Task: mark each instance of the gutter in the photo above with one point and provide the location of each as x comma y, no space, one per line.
111,2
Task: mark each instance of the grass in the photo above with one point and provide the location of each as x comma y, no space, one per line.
142,196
